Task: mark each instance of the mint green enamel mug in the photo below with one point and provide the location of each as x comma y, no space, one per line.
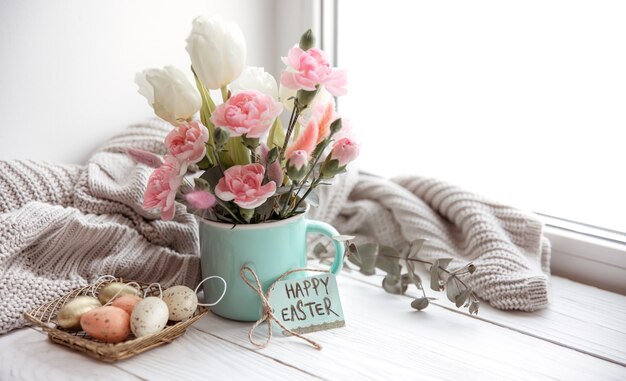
270,249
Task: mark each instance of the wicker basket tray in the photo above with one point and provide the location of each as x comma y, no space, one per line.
44,318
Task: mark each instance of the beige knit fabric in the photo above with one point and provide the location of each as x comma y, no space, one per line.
507,246
64,226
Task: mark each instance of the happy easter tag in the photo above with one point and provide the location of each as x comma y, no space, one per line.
308,304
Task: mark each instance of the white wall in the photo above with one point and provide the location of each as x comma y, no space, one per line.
67,66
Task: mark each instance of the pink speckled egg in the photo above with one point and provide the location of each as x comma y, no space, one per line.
109,324
127,303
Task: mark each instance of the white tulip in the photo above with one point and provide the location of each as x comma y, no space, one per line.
217,50
170,93
255,78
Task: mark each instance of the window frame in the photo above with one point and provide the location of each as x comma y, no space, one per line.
580,252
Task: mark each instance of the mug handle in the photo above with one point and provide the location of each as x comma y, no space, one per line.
314,226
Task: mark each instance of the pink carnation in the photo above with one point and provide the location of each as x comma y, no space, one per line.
306,69
162,187
187,142
345,150
243,185
249,113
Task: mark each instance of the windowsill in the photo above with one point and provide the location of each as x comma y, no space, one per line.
580,335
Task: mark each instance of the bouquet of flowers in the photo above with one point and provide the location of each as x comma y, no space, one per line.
252,169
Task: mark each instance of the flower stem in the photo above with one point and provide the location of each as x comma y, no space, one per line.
217,159
284,207
427,263
313,185
224,90
295,113
223,205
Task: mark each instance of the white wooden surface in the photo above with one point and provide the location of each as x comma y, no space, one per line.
582,336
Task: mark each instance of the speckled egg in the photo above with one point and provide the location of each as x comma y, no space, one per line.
127,303
109,324
115,289
69,315
181,302
149,316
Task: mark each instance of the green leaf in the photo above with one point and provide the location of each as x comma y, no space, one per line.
415,247
473,307
444,262
205,163
462,298
393,285
388,251
313,199
412,277
319,249
367,255
387,260
282,190
434,276
212,176
237,152
452,289
342,238
420,303
266,209
205,113
354,258
276,136
319,148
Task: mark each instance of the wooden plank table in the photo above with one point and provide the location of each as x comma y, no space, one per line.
581,336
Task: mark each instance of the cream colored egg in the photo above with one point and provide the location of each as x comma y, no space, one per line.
115,289
149,316
181,302
69,315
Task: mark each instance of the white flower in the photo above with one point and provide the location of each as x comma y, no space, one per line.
255,78
170,94
217,50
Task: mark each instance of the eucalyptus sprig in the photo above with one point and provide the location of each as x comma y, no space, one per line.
370,256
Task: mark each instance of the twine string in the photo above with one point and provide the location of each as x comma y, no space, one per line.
267,313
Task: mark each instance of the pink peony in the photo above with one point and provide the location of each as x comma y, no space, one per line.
249,113
306,69
200,199
187,142
243,184
345,150
162,186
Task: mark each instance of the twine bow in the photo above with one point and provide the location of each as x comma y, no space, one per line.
268,313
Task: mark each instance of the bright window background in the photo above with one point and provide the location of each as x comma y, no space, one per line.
524,102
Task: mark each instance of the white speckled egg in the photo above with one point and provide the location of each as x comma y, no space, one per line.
149,316
181,302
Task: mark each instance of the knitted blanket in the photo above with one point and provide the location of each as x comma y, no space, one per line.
63,226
